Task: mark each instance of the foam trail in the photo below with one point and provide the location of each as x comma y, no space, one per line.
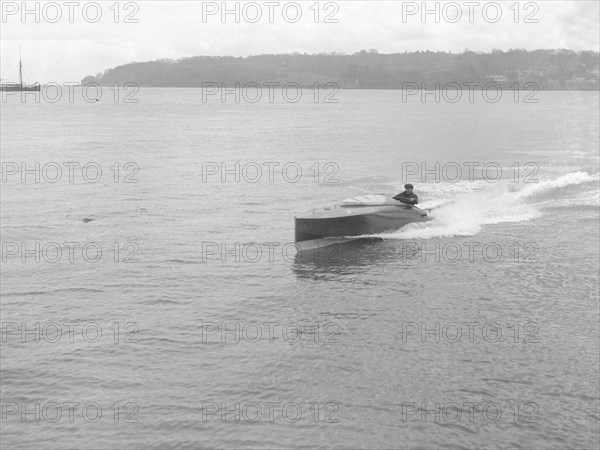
560,182
588,198
491,204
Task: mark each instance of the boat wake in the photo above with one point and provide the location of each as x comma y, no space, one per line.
463,208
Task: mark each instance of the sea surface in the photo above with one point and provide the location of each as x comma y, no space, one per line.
155,298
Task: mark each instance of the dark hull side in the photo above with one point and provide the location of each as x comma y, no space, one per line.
356,225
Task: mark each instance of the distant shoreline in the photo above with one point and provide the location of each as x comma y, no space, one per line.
543,70
345,88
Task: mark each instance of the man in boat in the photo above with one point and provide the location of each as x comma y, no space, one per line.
407,196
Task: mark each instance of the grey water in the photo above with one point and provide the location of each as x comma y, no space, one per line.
166,305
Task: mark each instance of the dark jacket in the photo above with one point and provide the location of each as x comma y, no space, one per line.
404,196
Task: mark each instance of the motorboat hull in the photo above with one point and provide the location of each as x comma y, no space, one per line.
356,220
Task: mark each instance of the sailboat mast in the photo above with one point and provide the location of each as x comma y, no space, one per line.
20,68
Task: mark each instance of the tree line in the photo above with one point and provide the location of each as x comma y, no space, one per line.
548,69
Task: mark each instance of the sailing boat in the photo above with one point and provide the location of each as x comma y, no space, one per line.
20,86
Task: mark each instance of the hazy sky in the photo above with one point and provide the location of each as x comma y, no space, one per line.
84,39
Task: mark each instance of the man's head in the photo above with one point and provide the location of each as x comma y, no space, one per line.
408,187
